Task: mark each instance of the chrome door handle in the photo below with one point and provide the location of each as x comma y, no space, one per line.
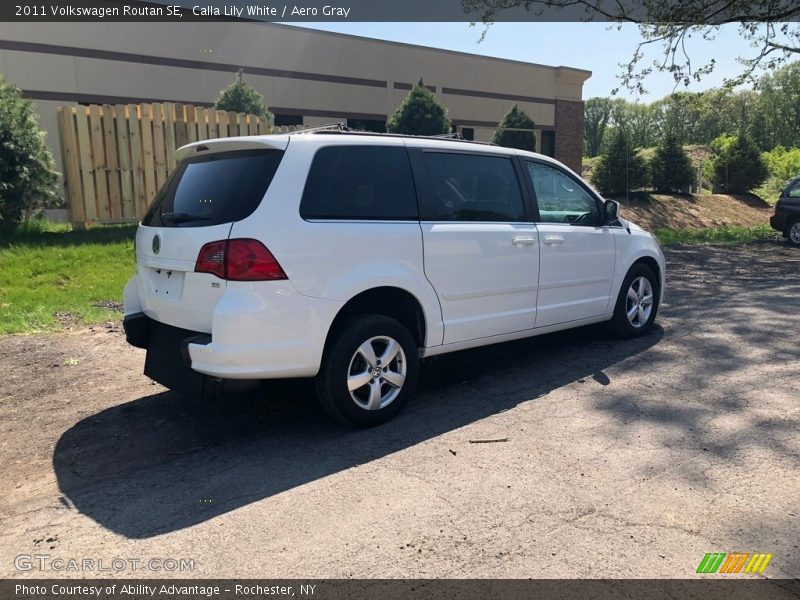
523,241
553,239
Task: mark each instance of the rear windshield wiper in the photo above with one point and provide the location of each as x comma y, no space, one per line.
182,217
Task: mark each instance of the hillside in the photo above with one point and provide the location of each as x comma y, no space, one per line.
696,211
657,211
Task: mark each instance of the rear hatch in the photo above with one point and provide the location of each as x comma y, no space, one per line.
216,184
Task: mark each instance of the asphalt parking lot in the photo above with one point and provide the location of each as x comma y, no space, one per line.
569,455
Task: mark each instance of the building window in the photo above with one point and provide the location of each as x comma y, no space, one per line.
372,125
468,133
288,120
549,143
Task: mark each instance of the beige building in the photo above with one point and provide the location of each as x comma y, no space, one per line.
306,76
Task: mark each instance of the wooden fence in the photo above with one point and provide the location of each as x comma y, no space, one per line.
115,158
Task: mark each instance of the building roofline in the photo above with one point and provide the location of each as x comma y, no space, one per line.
422,47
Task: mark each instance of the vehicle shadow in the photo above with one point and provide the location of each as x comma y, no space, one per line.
159,464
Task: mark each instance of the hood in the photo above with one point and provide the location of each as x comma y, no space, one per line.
631,225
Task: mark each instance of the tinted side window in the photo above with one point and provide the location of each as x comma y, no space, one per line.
360,182
793,191
471,187
561,198
214,189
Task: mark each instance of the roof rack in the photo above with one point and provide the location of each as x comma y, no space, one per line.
341,128
450,136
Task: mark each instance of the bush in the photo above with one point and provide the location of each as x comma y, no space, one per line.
738,166
420,113
671,168
782,164
242,98
28,178
620,168
515,119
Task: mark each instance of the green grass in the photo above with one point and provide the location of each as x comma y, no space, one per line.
51,276
716,235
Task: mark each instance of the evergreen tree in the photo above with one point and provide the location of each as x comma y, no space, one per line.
671,168
242,98
620,168
28,178
515,119
420,113
738,165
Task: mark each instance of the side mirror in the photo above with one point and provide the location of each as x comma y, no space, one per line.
611,211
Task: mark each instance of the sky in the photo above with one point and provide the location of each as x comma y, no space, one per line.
597,47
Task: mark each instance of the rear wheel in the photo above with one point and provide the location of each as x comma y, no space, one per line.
793,232
637,303
368,371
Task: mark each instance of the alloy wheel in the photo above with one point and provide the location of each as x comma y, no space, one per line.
794,232
639,302
377,373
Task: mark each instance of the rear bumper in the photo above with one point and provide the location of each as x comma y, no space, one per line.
167,360
253,361
778,221
137,329
786,212
258,331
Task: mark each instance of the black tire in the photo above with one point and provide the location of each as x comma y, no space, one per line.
342,359
620,325
793,236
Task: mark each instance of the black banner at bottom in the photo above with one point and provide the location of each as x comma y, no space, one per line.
399,589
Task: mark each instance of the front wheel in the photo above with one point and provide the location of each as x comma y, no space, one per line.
368,371
637,303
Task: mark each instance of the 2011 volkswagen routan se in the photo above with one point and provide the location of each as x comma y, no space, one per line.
349,257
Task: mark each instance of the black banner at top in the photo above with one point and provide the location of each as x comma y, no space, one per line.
673,11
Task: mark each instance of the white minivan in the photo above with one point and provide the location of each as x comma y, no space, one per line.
349,257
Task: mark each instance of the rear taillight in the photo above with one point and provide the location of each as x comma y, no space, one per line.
239,260
249,260
212,259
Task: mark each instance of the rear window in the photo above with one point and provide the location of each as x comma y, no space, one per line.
214,189
360,182
793,189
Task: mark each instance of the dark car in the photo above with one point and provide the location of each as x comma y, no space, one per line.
787,212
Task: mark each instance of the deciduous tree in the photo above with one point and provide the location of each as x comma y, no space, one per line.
769,30
596,119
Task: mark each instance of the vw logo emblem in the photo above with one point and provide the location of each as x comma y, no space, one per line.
157,244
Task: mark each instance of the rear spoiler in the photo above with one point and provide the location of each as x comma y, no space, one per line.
266,142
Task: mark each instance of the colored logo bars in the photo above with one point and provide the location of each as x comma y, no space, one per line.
735,562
